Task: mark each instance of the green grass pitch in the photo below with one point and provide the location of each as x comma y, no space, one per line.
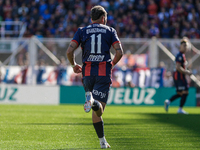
31,127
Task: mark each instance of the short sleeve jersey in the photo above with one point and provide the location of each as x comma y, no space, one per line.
180,58
96,41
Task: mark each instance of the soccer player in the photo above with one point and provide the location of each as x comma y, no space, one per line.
96,40
180,81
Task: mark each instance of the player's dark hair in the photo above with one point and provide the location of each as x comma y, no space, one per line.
97,12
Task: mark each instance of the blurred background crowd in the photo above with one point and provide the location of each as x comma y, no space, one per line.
131,18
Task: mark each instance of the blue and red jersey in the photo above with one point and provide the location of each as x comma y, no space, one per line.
96,40
180,58
180,81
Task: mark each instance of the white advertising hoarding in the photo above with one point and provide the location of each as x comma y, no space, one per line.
29,94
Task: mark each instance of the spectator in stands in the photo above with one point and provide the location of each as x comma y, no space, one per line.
51,28
163,14
197,30
192,15
152,9
175,30
7,9
165,32
52,6
141,7
46,16
42,7
117,78
33,5
154,31
8,19
23,9
61,71
41,71
14,9
24,17
35,15
60,9
16,27
165,3
76,79
1,10
179,9
168,79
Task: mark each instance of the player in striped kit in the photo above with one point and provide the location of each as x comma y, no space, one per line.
180,81
96,40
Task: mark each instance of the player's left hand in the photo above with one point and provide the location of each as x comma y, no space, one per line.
77,69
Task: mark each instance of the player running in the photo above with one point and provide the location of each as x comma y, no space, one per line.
96,41
180,81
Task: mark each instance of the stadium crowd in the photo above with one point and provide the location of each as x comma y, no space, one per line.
131,18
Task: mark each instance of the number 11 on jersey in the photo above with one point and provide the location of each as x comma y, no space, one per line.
98,44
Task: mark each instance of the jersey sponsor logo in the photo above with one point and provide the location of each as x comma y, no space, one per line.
95,58
180,58
95,30
101,94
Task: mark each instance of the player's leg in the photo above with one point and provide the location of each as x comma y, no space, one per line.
97,89
184,95
98,108
99,126
88,101
88,84
96,114
100,94
175,96
178,84
182,102
183,98
93,104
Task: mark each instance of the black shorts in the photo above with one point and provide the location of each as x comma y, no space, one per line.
98,85
180,83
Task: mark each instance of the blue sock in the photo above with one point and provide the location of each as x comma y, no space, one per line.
99,127
183,100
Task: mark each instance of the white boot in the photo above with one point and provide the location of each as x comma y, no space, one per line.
166,105
88,102
103,143
181,111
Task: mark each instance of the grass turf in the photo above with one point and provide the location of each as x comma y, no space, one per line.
126,127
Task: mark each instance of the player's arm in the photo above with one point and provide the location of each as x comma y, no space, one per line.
71,57
118,54
181,69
